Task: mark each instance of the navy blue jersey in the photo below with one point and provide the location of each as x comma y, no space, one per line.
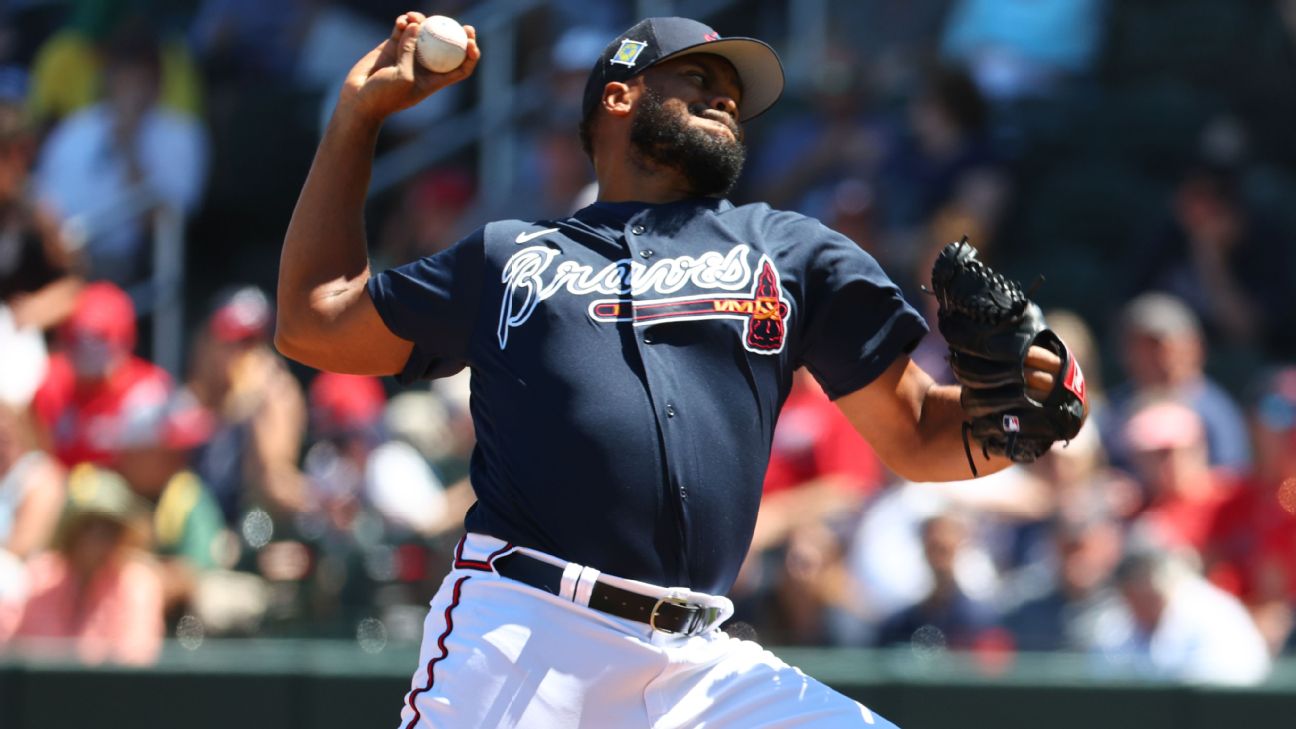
628,365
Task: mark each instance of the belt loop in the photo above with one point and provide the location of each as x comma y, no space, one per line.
567,589
585,585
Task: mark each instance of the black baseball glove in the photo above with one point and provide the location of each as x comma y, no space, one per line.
990,324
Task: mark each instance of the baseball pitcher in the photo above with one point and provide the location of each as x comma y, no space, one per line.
628,365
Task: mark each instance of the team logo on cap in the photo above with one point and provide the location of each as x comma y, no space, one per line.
629,52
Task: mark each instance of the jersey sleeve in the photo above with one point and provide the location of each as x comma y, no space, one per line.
433,302
856,320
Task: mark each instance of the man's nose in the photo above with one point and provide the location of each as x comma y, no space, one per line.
725,103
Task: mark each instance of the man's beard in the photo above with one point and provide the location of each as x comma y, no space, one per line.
709,163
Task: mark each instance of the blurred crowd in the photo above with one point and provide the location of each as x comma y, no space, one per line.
1136,153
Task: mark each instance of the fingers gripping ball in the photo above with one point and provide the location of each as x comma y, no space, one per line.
442,44
990,325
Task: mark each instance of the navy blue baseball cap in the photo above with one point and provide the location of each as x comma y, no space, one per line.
654,40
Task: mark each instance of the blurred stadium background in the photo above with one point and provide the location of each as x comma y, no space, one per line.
192,527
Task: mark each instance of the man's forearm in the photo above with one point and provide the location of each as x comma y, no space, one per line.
47,306
325,259
916,426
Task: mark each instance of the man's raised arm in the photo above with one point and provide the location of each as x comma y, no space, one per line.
326,318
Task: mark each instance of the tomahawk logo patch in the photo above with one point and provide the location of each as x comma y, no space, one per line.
731,290
628,53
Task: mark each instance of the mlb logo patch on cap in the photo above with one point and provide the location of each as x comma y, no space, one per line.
653,40
628,53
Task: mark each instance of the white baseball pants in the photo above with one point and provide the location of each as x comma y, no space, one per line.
499,653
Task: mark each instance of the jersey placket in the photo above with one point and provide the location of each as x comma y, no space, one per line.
665,394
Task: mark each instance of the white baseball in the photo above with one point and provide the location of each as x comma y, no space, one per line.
442,44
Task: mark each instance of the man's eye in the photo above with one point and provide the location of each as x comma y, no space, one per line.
701,79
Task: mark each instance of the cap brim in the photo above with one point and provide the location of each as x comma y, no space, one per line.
758,66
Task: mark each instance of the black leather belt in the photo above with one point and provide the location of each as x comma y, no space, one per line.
665,614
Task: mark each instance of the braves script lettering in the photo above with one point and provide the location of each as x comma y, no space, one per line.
528,280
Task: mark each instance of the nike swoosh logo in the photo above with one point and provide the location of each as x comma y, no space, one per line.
524,237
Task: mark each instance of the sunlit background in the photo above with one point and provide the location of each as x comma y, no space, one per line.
194,530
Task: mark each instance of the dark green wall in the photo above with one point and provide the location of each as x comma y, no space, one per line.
328,685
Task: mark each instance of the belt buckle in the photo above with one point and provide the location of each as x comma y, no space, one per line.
672,599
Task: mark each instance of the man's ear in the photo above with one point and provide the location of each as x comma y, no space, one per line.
619,98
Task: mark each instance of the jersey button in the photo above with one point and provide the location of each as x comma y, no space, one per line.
648,339
683,493
646,253
670,410
637,230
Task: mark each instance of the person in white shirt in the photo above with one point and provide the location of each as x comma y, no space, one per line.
96,159
1172,624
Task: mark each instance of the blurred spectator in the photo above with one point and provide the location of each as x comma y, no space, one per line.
1184,495
885,551
37,288
1172,624
945,165
932,352
851,209
569,64
1087,547
1253,548
187,522
429,218
333,33
946,617
437,423
125,154
96,595
554,156
1024,47
819,472
552,176
836,137
230,36
31,488
811,591
355,466
818,465
892,39
1078,484
95,382
251,457
1232,267
68,73
1163,353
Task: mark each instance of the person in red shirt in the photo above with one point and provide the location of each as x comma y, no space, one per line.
818,464
1253,545
819,468
1167,442
95,382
